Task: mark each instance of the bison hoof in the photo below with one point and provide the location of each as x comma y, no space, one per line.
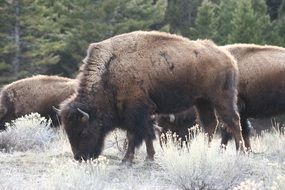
248,150
223,148
126,163
149,158
128,159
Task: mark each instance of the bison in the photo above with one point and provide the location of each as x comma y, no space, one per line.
261,88
34,94
261,84
127,78
178,123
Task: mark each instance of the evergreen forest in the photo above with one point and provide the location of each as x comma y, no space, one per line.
51,37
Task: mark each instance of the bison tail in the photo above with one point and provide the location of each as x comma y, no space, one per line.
231,79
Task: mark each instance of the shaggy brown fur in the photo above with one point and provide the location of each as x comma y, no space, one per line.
129,77
34,94
261,84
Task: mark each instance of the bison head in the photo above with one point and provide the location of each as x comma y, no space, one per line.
84,130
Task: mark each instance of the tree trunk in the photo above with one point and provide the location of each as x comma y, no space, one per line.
281,11
16,59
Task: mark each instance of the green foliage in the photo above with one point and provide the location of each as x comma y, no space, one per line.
38,32
6,48
224,17
281,10
54,35
3,66
181,14
246,28
242,21
138,15
205,24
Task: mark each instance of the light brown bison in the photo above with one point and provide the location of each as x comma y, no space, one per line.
129,77
34,94
261,89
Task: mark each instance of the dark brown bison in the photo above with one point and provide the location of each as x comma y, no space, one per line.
34,94
260,125
261,89
261,84
129,77
177,123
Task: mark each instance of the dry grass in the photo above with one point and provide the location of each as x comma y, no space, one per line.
37,157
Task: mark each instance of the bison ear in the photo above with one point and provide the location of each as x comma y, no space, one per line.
85,116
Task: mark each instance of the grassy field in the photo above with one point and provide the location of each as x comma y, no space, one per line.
34,156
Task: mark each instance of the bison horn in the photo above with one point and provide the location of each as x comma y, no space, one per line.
85,115
56,110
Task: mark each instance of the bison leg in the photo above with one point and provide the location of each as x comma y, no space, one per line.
140,127
149,149
129,156
207,117
245,132
226,135
230,116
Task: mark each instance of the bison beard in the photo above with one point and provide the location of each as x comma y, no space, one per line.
129,77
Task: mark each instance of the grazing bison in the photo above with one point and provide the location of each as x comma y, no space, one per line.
177,123
261,84
261,89
34,94
129,77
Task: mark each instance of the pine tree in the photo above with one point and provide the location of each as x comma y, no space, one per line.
30,35
106,18
252,24
273,7
225,10
263,20
41,36
205,23
245,28
130,15
181,15
6,35
276,33
281,23
53,35
281,10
